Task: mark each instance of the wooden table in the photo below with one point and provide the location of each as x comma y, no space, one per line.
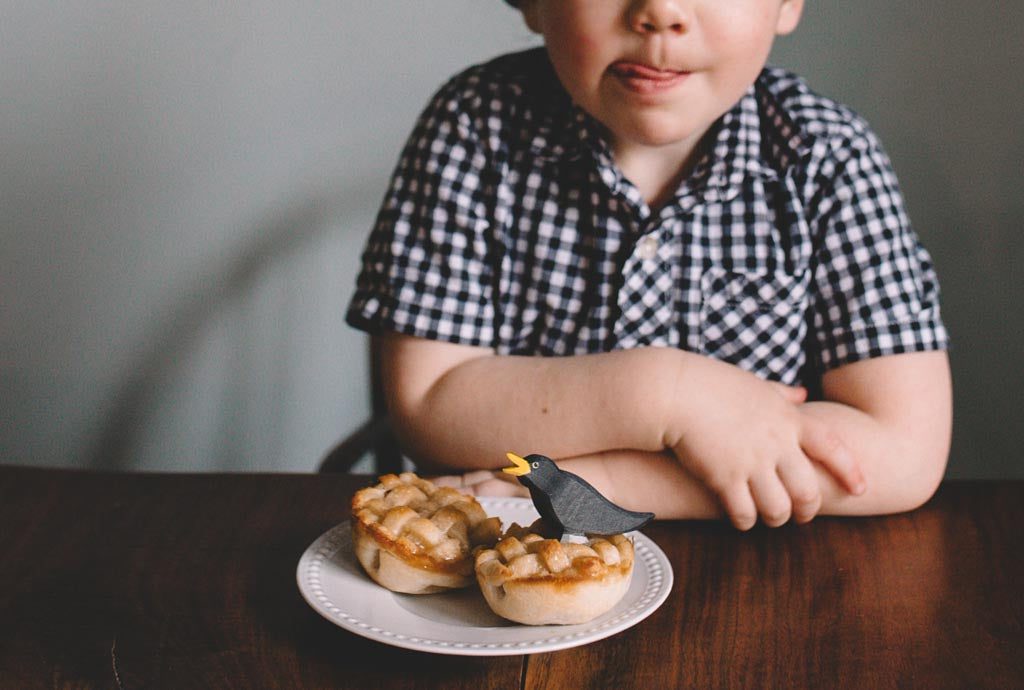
188,581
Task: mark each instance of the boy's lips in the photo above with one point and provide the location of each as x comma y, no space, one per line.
645,79
639,69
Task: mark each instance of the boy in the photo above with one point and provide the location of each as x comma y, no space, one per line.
636,251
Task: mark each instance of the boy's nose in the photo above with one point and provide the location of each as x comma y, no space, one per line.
656,16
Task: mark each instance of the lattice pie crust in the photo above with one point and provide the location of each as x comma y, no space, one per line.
537,581
414,537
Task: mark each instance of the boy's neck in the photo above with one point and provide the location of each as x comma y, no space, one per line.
657,171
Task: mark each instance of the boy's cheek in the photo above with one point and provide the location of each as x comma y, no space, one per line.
578,64
740,33
579,46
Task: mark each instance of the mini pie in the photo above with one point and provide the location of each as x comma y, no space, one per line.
414,537
529,579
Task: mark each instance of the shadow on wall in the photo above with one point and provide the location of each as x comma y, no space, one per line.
133,408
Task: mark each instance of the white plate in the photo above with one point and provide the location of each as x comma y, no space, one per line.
332,581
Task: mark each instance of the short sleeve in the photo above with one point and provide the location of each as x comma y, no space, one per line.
425,269
875,288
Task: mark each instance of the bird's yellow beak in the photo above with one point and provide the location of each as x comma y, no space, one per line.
519,465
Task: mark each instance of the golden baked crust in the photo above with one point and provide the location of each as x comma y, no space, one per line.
415,537
537,581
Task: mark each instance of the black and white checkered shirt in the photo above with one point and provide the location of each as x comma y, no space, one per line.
508,225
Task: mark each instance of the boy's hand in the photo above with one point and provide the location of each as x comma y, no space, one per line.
484,483
748,441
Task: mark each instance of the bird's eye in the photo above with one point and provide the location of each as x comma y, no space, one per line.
536,465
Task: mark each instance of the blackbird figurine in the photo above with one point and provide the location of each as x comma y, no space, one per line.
567,503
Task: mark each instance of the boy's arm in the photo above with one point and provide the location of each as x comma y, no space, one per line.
462,407
893,413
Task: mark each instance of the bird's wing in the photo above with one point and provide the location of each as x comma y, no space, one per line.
604,502
583,509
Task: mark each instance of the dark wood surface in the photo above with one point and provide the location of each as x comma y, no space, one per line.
182,581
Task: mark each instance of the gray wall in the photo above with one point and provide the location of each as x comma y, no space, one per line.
942,84
184,191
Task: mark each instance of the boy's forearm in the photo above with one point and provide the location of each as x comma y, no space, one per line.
645,481
559,406
463,408
899,477
901,472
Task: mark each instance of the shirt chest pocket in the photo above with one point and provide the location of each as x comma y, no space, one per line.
755,321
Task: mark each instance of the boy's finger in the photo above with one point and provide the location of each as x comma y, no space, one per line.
453,480
739,505
793,394
771,498
801,482
478,476
467,481
497,487
824,446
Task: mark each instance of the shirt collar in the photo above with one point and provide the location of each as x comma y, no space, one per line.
733,153
565,133
755,138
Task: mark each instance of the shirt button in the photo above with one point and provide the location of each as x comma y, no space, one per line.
648,248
